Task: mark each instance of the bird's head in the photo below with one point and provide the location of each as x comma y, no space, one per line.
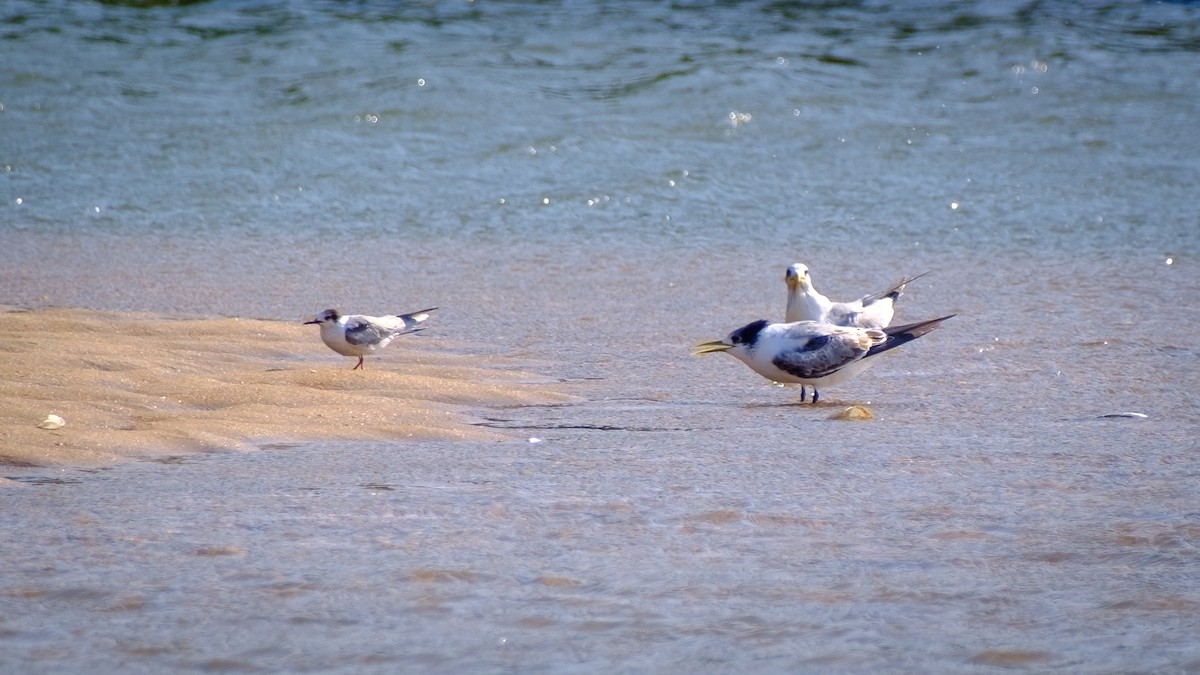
797,276
328,316
738,342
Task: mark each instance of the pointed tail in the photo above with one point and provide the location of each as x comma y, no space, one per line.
417,316
410,320
894,292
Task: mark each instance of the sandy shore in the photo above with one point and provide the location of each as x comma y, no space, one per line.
130,385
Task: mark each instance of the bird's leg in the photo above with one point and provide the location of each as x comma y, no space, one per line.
359,364
804,394
815,395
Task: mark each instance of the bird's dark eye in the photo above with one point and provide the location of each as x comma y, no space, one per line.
735,339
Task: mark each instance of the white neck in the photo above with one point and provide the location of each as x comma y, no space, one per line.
806,305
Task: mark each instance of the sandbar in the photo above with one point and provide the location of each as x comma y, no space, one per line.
130,385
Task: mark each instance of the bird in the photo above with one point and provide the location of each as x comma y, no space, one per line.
804,303
813,353
359,335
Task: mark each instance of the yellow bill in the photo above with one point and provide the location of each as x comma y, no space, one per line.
709,347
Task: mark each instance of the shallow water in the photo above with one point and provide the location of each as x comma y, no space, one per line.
592,188
652,549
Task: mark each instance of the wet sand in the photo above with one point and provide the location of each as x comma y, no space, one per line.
135,384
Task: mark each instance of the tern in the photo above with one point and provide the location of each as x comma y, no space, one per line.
804,303
359,335
813,353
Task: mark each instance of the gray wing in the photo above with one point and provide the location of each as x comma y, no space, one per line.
362,332
870,311
823,354
844,314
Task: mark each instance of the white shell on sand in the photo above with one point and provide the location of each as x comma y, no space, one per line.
52,422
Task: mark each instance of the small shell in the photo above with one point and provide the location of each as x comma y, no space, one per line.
52,422
854,413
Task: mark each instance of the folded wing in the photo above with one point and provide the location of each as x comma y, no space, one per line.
361,331
812,353
379,330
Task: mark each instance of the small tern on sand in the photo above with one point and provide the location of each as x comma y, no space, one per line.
358,335
812,353
804,303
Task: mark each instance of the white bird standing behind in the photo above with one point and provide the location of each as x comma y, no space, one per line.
804,303
359,335
812,353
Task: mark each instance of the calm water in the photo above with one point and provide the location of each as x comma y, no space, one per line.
593,187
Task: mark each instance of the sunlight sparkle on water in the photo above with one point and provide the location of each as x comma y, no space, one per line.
737,119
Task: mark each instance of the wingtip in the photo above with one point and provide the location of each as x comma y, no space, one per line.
898,289
418,316
918,328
